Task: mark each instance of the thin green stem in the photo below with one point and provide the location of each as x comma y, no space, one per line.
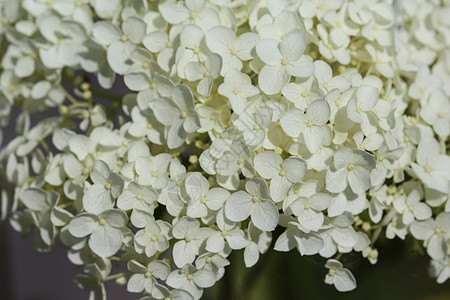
115,276
44,144
68,95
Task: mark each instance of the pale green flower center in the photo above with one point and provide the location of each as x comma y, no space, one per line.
108,185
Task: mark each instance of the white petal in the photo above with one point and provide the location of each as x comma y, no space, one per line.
251,254
135,29
35,199
344,280
137,81
215,242
83,225
97,199
359,179
257,186
268,164
311,219
183,253
136,284
204,278
295,169
336,181
24,67
318,112
367,97
265,215
279,186
267,50
166,111
272,79
216,198
115,218
105,33
118,56
100,173
302,68
293,45
293,121
105,241
219,39
422,230
238,206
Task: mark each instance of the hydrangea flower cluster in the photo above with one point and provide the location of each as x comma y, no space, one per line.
328,120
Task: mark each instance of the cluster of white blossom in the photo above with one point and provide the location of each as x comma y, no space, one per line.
327,119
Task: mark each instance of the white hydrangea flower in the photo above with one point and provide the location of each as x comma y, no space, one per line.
136,197
203,199
164,44
45,213
432,166
153,171
206,72
281,173
339,276
309,210
237,87
223,41
120,43
191,279
352,168
104,230
191,236
283,60
179,113
190,11
440,269
312,124
161,292
436,112
254,124
145,124
106,188
259,242
228,233
153,238
295,237
145,276
435,234
412,208
339,236
256,203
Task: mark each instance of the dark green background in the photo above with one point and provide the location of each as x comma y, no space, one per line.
399,274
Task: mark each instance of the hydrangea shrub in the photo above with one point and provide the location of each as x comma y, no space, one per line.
328,119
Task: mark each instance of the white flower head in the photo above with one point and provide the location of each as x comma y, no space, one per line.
339,276
282,174
255,203
283,60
